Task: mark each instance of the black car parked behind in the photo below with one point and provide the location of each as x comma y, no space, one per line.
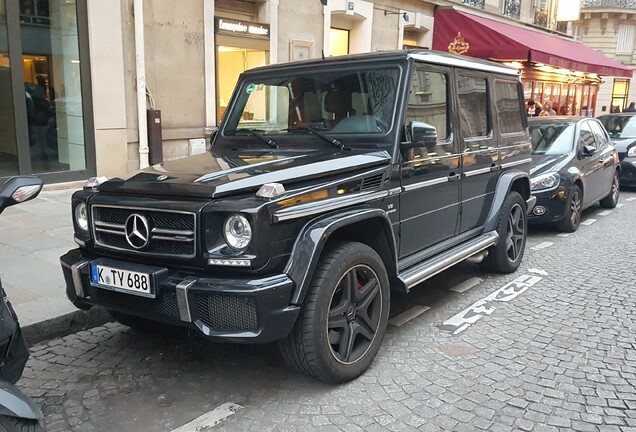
574,166
622,129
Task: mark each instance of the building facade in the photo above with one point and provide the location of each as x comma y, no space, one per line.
610,26
107,87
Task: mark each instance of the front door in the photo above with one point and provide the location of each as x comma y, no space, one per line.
590,166
429,203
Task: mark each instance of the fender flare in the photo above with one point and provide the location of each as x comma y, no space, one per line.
14,403
313,237
504,185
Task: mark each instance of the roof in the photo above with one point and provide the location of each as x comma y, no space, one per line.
489,39
428,56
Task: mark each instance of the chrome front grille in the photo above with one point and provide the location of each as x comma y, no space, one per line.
170,233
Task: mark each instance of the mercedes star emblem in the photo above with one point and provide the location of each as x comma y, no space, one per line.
137,231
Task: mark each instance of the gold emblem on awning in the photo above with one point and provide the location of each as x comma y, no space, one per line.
458,45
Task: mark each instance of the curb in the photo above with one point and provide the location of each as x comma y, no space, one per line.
65,325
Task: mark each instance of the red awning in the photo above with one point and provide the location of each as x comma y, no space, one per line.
489,39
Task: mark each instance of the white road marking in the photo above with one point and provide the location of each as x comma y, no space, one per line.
605,213
619,205
210,419
466,285
563,235
538,271
630,199
408,315
461,321
542,246
588,222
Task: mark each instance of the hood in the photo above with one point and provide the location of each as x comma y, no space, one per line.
622,145
542,164
213,175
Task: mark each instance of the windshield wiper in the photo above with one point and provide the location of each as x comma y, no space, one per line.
254,132
316,132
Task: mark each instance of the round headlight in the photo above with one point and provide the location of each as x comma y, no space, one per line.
237,232
81,219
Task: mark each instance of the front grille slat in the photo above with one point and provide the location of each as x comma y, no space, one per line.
172,233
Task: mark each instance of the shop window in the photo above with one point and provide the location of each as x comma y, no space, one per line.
625,39
620,90
233,61
338,42
473,106
507,103
512,8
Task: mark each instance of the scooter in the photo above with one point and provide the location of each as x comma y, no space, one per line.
18,413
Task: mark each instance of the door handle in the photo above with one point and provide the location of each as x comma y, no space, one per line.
453,177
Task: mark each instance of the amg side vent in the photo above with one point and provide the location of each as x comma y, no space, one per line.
372,182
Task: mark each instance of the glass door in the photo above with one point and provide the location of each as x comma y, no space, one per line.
8,144
52,84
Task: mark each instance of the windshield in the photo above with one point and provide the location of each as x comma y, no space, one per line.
620,126
331,102
552,138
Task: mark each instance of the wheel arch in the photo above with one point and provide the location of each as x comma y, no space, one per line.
513,180
352,225
14,403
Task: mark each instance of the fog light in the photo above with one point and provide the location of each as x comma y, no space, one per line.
538,210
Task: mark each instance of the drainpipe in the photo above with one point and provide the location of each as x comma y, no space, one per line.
140,64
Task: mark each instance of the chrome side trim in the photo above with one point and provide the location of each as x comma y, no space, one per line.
302,210
477,172
438,264
424,184
515,163
182,299
77,277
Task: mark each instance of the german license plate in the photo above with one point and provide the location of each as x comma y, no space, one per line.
127,281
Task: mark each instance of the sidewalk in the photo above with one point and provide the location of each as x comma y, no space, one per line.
33,236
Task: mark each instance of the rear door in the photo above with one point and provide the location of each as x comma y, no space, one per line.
429,166
479,148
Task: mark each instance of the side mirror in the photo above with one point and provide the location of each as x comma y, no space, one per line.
213,135
588,150
19,189
423,133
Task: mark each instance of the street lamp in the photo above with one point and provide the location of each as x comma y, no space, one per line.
405,15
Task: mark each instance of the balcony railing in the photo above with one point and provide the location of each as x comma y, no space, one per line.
604,4
475,3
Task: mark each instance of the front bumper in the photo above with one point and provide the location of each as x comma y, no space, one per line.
551,206
230,309
628,171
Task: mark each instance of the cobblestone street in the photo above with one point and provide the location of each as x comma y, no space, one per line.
554,350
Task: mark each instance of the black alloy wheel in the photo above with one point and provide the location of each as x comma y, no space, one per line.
344,315
611,199
572,218
355,314
512,226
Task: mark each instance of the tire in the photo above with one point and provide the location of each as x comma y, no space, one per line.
340,330
610,201
572,218
505,256
15,424
141,324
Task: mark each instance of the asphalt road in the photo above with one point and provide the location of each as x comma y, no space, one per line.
551,347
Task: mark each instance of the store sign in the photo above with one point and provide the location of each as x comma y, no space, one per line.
241,28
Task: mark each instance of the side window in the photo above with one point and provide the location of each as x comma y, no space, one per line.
473,106
428,109
509,109
586,137
599,134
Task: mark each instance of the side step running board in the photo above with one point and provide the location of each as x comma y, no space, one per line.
429,268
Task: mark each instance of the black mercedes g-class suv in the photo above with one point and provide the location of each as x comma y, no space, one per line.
329,184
